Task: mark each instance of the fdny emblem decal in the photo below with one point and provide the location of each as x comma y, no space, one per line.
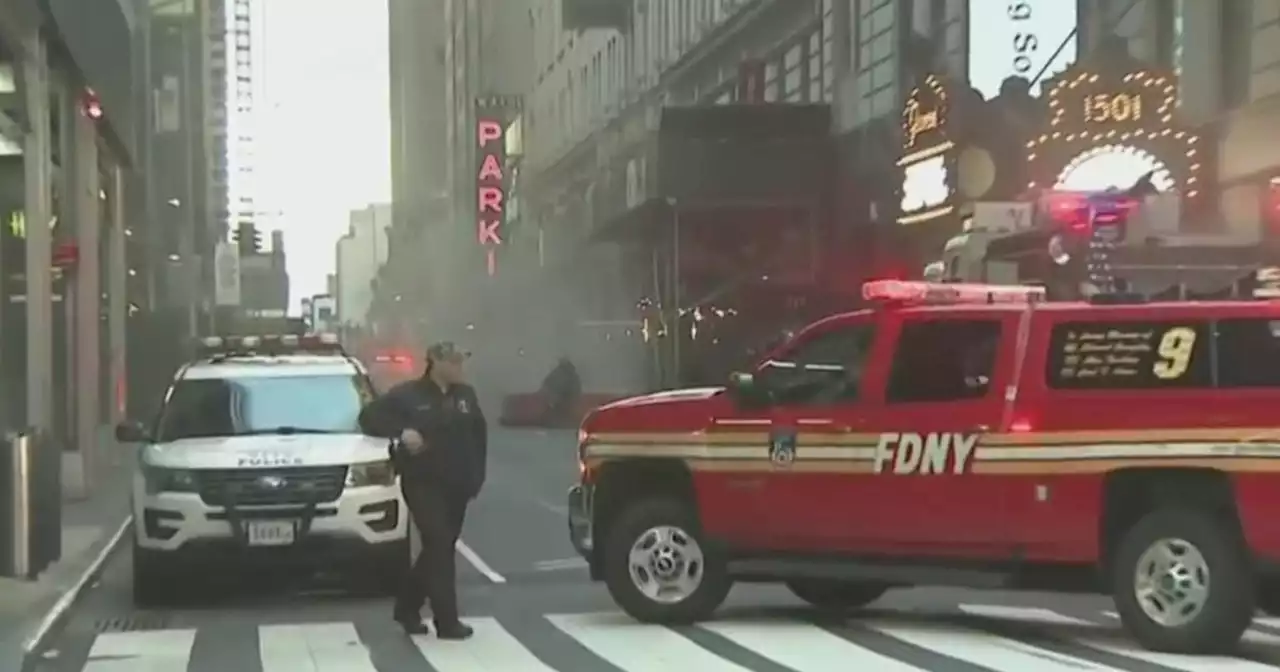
782,448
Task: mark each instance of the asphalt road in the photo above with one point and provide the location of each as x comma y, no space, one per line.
534,611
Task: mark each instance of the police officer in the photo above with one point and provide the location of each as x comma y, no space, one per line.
439,444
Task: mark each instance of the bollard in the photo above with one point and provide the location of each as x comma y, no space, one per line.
31,506
16,472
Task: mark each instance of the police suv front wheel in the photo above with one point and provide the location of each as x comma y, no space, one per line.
1183,582
658,567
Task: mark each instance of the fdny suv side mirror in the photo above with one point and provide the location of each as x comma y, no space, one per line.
747,392
132,432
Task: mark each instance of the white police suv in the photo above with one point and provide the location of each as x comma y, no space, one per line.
256,460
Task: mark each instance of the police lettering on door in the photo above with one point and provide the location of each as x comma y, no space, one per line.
933,453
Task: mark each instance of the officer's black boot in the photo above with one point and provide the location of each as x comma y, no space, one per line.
454,630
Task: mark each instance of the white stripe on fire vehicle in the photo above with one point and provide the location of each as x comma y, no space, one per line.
1056,453
1126,451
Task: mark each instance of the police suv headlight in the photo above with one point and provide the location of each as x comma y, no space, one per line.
160,480
371,474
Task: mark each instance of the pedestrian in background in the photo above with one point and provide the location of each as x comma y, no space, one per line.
439,445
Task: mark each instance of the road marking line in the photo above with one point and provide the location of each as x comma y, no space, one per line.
801,646
312,647
554,565
554,508
637,647
491,648
1169,660
480,565
986,650
154,651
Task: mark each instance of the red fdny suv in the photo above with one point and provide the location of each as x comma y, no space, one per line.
963,435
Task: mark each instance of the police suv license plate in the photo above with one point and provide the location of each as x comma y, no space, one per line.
271,532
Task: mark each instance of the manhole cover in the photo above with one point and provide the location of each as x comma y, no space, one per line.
133,623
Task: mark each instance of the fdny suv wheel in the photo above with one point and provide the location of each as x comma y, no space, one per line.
836,594
1183,583
657,566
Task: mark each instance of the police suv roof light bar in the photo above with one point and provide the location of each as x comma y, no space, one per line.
271,344
915,292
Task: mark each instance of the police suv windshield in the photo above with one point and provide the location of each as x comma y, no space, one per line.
259,405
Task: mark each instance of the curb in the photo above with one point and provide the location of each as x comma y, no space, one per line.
57,615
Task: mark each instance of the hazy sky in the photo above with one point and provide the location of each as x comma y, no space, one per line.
324,126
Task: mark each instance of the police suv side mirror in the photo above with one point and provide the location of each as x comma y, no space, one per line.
130,431
747,392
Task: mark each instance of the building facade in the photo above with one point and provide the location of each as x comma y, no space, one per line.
360,253
602,78
68,104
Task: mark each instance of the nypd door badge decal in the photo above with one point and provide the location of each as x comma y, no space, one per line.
782,447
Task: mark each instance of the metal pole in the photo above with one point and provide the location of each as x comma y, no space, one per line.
677,330
190,271
39,207
87,208
118,300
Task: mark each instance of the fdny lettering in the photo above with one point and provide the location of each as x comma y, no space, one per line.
933,453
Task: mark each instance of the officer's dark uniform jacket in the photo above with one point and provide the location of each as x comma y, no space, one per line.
451,425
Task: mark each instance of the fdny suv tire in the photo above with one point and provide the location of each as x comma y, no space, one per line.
657,566
837,595
1183,582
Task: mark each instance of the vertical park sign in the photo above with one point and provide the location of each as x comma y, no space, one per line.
495,116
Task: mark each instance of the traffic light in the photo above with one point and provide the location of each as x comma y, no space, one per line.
248,238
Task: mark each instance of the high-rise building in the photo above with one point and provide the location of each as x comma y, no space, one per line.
359,254
477,54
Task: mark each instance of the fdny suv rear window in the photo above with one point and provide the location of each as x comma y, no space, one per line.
1130,355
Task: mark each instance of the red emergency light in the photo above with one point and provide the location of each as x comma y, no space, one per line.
1073,209
914,292
393,358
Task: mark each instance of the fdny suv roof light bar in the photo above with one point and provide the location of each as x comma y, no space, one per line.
915,292
272,344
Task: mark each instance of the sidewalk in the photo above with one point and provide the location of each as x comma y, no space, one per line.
88,526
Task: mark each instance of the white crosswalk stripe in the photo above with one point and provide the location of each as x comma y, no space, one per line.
972,637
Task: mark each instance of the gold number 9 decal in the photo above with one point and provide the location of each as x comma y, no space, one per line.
1174,351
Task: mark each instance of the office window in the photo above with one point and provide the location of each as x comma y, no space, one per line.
1265,78
1237,59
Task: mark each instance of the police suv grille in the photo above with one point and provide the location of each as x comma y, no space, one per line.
268,487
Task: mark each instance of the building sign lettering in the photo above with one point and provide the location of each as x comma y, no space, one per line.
494,116
1019,39
919,122
1104,108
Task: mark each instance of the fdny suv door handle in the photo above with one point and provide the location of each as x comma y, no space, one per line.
746,483
979,429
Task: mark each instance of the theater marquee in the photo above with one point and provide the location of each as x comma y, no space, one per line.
1109,129
928,184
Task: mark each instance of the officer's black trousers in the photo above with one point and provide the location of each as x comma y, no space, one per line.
438,515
